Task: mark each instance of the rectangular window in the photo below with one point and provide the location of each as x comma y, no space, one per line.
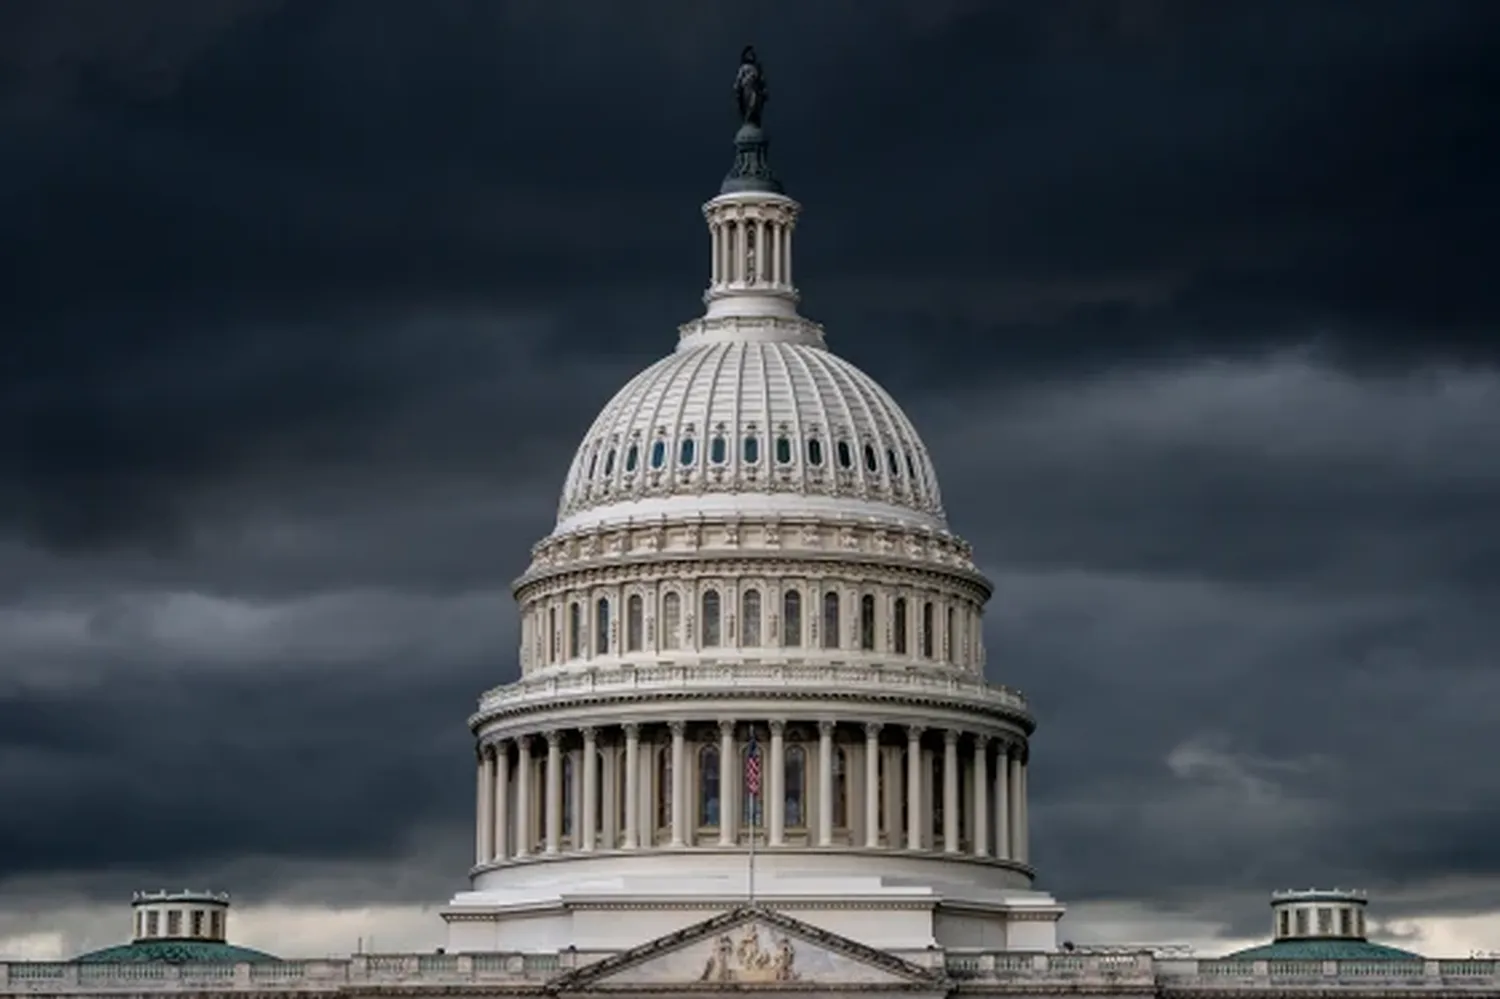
216,925
152,924
197,922
174,923
1301,922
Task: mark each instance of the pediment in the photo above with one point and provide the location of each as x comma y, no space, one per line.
749,947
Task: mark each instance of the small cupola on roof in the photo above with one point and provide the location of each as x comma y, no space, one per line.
1321,924
177,927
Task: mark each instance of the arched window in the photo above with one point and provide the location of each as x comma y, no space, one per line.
671,621
814,452
664,787
568,783
830,620
898,626
952,656
783,451
575,630
750,619
796,786
658,454
601,627
911,468
634,625
752,449
927,630
711,619
935,779
688,450
791,619
872,463
867,622
717,451
846,456
609,463
840,789
890,464
552,634
708,786
632,457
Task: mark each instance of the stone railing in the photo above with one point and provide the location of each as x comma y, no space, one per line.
749,676
1006,970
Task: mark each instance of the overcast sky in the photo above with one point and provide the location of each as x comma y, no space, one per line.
306,305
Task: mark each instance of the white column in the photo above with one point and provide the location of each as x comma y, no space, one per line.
825,783
914,787
729,796
773,252
523,796
777,784
872,784
632,786
714,256
1023,810
762,251
501,796
554,791
981,796
679,783
590,787
1002,801
1016,818
741,246
786,245
950,791
482,809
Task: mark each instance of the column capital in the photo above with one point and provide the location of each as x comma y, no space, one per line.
826,726
982,741
727,727
873,729
554,739
914,732
677,727
632,730
777,726
590,733
950,737
523,742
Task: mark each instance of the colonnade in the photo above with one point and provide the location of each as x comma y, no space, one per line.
681,784
751,251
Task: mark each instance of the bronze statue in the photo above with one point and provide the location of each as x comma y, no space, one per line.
750,87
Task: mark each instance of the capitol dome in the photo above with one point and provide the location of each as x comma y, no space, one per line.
752,658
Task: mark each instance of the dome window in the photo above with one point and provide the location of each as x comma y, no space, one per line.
752,449
632,457
593,463
688,450
658,454
609,463
911,469
783,451
717,451
814,451
872,463
846,456
890,463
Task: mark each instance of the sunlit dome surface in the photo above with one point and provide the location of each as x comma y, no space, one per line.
771,426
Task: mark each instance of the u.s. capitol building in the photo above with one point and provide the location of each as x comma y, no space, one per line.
752,747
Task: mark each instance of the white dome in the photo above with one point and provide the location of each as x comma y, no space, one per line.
775,426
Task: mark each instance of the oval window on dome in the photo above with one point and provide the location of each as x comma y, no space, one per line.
872,463
609,463
814,451
752,449
632,457
593,463
687,451
911,469
890,463
717,451
846,456
783,451
658,454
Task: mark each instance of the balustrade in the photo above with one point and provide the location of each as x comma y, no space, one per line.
680,785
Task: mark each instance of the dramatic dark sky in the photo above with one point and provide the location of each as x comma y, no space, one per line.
306,304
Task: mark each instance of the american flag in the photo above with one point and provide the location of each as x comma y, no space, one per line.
752,766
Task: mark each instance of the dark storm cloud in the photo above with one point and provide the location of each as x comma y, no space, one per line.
306,305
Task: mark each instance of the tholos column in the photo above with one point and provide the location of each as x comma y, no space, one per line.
727,789
950,791
1023,825
590,787
981,796
914,787
554,791
1002,801
524,823
502,801
825,783
482,809
1016,817
632,786
777,784
679,784
872,784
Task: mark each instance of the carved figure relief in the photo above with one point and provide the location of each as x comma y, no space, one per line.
748,962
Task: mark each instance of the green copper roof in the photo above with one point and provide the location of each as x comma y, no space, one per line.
1323,949
174,952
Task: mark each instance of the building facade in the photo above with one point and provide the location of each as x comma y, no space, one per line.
752,746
